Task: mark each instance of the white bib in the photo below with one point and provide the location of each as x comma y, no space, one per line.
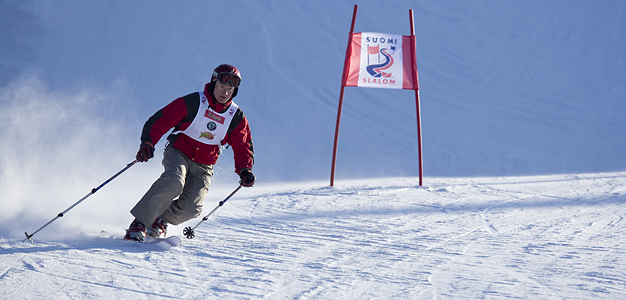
209,127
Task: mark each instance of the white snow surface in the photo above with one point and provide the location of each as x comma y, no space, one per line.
539,237
523,116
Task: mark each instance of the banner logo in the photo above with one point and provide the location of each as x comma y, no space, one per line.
380,60
377,59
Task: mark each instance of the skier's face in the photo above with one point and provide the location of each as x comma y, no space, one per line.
222,92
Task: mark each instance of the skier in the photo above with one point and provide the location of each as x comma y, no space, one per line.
203,123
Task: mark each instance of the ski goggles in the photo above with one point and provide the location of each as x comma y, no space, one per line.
229,78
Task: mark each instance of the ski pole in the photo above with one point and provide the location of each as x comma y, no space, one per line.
93,191
189,232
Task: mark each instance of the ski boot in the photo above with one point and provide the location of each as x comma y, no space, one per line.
136,231
158,228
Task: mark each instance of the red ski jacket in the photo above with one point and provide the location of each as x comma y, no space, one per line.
180,113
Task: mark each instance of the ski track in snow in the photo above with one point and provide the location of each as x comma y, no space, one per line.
543,237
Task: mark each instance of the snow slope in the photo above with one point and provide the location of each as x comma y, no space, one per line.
540,237
523,114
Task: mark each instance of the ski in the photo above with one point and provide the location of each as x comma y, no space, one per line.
152,243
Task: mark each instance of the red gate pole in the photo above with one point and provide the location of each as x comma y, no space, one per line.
346,66
417,96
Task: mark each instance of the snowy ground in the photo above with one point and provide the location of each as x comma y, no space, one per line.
541,237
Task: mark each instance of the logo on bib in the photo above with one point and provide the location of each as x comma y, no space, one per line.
217,118
207,135
211,126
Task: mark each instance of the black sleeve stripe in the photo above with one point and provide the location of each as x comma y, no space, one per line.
192,101
147,127
237,118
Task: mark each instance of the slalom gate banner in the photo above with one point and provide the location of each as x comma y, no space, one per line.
381,60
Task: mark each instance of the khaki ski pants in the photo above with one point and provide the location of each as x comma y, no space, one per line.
182,178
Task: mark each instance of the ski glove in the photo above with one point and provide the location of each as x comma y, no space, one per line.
146,151
247,178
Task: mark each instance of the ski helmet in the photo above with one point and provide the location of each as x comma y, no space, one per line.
227,74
